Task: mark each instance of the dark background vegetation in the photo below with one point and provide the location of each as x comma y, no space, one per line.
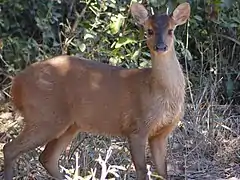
208,48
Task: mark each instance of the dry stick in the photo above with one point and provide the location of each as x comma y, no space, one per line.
198,105
191,96
70,8
79,17
76,167
187,73
213,90
4,80
5,74
233,51
6,64
229,38
198,108
5,92
127,16
2,72
60,39
78,144
69,39
227,108
201,51
227,128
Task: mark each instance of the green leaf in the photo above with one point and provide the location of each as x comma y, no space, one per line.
144,63
233,25
82,47
88,36
123,41
197,17
116,23
236,19
136,54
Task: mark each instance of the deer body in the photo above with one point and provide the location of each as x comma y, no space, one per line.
95,96
65,95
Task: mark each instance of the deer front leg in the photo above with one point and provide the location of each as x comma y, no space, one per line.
137,148
158,149
158,146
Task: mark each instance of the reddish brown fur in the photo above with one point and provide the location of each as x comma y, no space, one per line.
64,95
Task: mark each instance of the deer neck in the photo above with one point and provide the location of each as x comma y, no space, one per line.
167,75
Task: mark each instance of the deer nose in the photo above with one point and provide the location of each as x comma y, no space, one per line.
161,47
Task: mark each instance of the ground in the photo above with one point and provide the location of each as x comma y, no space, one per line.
205,145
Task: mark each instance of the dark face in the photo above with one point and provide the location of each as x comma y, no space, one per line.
159,30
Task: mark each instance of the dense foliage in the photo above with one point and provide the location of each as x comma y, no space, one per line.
208,46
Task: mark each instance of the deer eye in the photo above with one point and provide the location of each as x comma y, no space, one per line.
170,31
150,32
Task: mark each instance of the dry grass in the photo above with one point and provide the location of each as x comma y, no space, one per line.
206,145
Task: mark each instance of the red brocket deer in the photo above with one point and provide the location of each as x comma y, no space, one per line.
62,96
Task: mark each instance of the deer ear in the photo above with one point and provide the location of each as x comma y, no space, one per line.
139,13
181,14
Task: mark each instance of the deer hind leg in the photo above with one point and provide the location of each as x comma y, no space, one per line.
137,144
158,146
32,136
50,156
